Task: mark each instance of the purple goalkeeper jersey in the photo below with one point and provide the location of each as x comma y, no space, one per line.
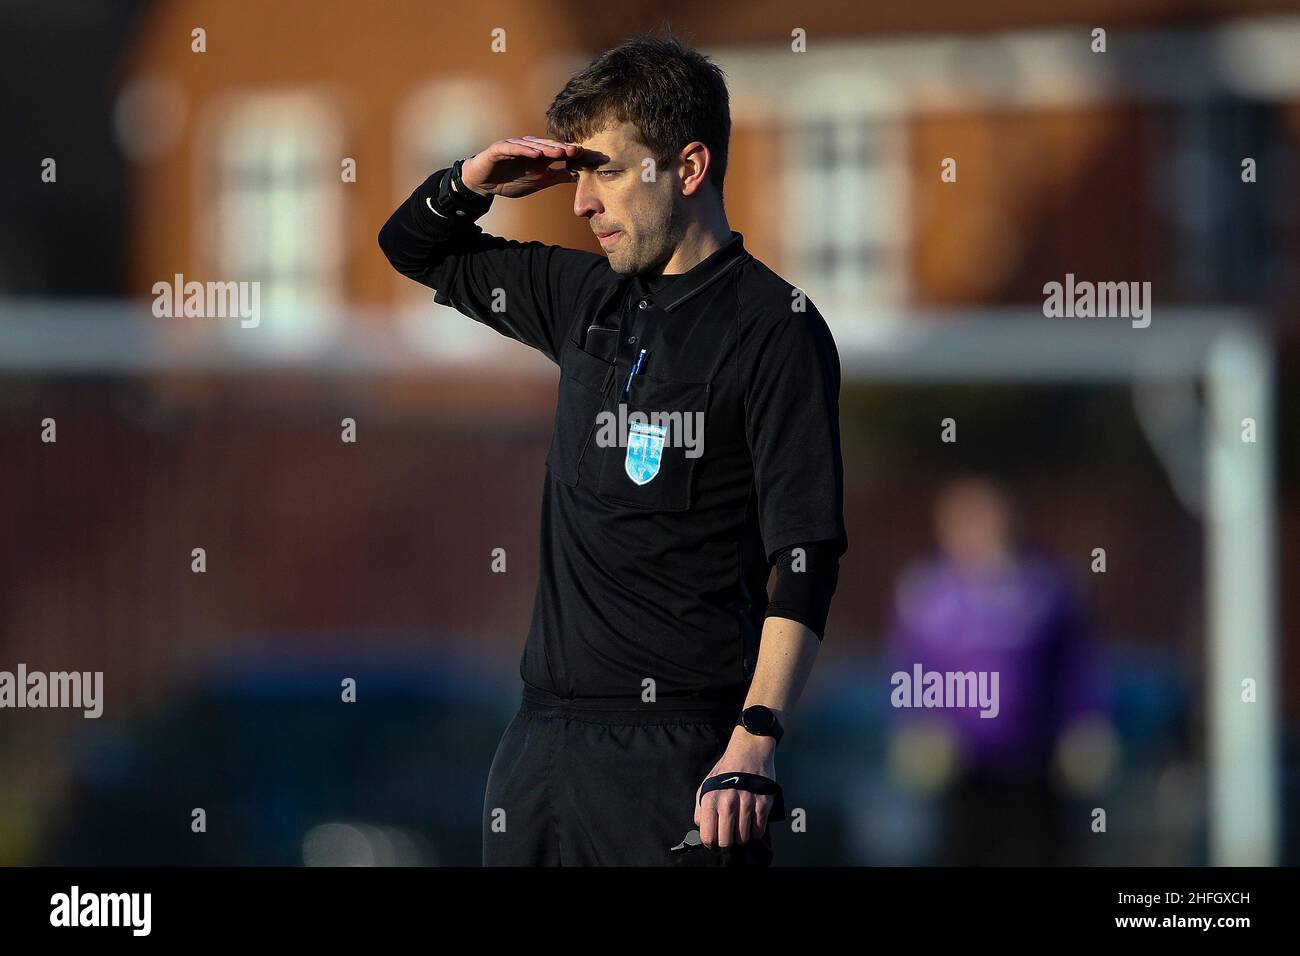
1026,624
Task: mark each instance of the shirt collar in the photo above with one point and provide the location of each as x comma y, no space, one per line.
676,289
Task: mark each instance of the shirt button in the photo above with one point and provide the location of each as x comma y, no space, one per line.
631,340
642,304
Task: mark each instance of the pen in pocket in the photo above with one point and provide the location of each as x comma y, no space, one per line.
635,368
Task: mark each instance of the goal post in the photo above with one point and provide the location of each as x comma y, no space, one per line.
1228,351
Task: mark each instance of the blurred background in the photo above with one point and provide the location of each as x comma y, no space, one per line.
276,151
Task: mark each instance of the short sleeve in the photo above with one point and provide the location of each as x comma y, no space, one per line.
792,424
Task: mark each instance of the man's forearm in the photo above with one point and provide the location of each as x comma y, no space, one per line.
785,660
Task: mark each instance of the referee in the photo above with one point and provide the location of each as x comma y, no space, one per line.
696,446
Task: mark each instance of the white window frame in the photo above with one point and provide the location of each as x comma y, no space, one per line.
270,210
437,123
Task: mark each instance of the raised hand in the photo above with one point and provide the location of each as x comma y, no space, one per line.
521,165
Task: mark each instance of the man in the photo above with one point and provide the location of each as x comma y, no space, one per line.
989,603
696,446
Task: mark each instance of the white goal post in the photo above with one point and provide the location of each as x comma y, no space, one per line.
1227,351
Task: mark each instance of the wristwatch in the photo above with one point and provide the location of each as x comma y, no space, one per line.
463,202
761,722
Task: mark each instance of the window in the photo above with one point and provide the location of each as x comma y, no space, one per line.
277,215
845,234
441,122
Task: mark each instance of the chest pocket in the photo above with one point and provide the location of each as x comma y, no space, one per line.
584,380
654,465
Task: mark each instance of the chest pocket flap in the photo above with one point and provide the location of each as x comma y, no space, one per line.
661,440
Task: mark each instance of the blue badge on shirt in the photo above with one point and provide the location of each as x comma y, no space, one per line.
645,449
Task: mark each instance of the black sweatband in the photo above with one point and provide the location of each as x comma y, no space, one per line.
806,576
461,203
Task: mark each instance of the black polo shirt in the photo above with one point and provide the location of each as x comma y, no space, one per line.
655,548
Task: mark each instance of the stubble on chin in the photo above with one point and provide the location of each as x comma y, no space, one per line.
623,259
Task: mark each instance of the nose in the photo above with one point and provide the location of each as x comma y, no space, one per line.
585,203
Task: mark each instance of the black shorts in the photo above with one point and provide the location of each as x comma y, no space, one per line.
596,786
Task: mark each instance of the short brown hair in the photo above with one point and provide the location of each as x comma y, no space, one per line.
672,94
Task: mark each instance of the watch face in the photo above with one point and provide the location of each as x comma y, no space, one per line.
758,720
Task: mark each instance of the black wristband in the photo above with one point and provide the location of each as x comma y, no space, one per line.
462,202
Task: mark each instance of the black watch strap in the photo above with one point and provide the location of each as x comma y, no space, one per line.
461,203
761,722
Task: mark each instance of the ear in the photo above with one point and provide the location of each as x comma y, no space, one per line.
695,161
